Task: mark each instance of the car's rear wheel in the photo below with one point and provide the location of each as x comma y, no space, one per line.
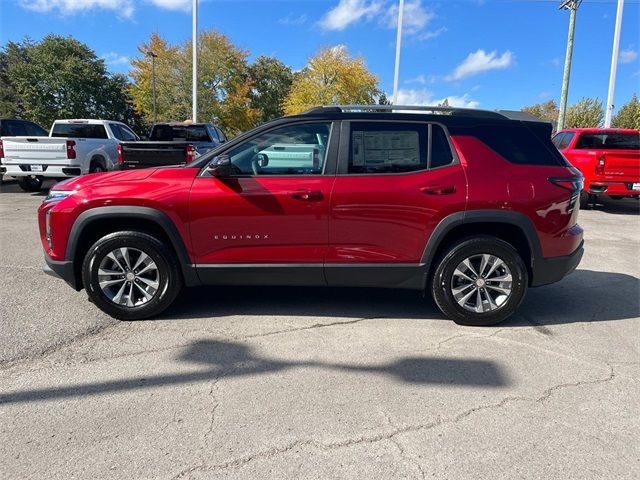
30,183
131,275
479,281
97,167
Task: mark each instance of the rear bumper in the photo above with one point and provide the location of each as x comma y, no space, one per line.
63,270
48,171
613,188
553,269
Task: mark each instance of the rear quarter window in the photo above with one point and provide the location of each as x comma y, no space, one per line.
77,130
520,144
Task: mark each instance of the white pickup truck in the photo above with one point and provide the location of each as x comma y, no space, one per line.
73,147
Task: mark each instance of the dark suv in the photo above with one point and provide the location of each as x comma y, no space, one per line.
472,206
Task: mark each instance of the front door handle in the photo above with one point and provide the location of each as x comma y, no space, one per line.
308,195
438,189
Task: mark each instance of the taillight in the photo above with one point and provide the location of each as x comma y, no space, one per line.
600,165
120,158
191,153
1,150
71,151
573,184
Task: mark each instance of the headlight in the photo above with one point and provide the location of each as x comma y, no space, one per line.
56,195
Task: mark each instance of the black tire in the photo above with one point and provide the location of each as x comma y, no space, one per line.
97,167
442,282
30,183
169,277
585,199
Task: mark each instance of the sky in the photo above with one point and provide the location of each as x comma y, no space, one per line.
501,54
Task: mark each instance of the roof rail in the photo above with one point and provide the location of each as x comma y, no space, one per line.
467,112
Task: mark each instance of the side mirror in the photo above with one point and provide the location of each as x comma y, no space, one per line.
221,166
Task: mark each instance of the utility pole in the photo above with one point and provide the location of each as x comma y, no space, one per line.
614,64
396,72
572,6
153,83
194,48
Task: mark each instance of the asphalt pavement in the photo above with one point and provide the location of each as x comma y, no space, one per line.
291,383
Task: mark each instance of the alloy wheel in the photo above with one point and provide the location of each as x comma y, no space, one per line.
128,277
481,283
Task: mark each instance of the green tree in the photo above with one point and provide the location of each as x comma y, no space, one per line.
270,84
587,113
61,77
223,82
12,54
332,77
547,111
629,114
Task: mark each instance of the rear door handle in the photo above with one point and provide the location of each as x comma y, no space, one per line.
308,195
438,189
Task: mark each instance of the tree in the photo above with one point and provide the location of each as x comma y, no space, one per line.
332,77
587,113
61,77
547,111
271,82
12,54
629,115
223,82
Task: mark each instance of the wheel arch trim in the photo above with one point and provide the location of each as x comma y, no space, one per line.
161,219
469,217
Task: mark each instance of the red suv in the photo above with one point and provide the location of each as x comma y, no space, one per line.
471,206
608,158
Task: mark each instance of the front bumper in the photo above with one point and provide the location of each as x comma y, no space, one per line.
63,270
553,269
48,171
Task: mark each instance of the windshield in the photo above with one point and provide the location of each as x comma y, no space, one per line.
609,141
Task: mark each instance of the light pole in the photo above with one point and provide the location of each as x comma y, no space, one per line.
194,48
572,6
396,72
153,82
614,64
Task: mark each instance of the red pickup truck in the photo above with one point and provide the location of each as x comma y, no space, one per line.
609,159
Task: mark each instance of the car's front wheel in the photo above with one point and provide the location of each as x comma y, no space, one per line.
479,281
131,275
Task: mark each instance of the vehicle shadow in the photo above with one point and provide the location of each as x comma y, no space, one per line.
232,359
584,296
623,206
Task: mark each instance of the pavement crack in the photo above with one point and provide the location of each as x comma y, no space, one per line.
389,434
310,327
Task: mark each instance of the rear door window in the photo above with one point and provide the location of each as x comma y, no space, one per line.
557,139
377,147
78,130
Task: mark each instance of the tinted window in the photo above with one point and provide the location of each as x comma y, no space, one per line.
292,150
187,133
115,129
387,147
519,144
35,130
128,134
557,139
15,128
214,134
441,154
612,141
222,136
78,130
566,140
